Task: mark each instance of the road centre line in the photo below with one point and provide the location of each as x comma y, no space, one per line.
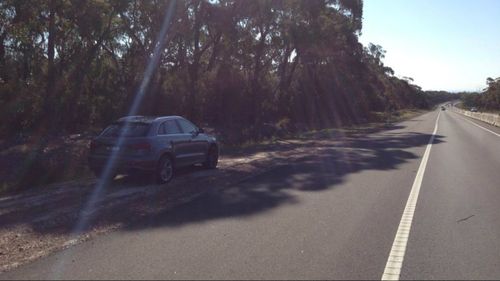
395,260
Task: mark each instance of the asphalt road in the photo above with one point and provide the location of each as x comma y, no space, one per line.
331,215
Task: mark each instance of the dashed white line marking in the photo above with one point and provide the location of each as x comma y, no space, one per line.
395,260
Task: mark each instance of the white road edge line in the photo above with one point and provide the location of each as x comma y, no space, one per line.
473,123
395,260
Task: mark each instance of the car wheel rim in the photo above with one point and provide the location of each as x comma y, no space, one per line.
166,170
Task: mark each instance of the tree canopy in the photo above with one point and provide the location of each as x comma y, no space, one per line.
232,64
488,99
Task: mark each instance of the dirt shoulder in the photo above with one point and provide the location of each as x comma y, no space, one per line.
39,221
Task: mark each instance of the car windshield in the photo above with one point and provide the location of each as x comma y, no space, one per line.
129,130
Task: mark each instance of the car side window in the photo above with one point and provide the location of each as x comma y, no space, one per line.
186,126
168,128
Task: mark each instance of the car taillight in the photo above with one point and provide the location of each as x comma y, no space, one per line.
141,147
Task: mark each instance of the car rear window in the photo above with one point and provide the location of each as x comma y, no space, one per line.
129,130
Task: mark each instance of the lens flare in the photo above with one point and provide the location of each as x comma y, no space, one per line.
99,188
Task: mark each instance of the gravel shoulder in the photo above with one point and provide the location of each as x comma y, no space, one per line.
41,221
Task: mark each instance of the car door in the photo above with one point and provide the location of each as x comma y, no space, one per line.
197,143
174,141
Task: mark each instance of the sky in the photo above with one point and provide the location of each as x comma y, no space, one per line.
451,45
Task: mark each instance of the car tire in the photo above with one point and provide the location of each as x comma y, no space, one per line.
165,170
212,158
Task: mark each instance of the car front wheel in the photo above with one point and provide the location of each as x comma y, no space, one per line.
212,158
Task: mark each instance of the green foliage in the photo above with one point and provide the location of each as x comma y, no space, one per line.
235,65
436,97
488,99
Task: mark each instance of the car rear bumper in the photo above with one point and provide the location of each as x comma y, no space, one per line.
123,164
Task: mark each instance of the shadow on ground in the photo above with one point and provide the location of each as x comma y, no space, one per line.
314,166
322,169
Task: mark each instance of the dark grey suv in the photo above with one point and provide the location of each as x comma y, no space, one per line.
153,144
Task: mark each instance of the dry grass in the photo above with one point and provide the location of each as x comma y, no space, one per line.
64,158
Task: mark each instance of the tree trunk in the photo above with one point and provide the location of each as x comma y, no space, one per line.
193,69
3,66
48,108
50,50
256,89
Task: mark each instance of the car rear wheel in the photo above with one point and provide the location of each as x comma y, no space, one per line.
212,158
165,170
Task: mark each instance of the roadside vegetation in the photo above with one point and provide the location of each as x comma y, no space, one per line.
488,100
64,158
250,70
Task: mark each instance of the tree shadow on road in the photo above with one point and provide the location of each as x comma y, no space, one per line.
325,167
307,165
